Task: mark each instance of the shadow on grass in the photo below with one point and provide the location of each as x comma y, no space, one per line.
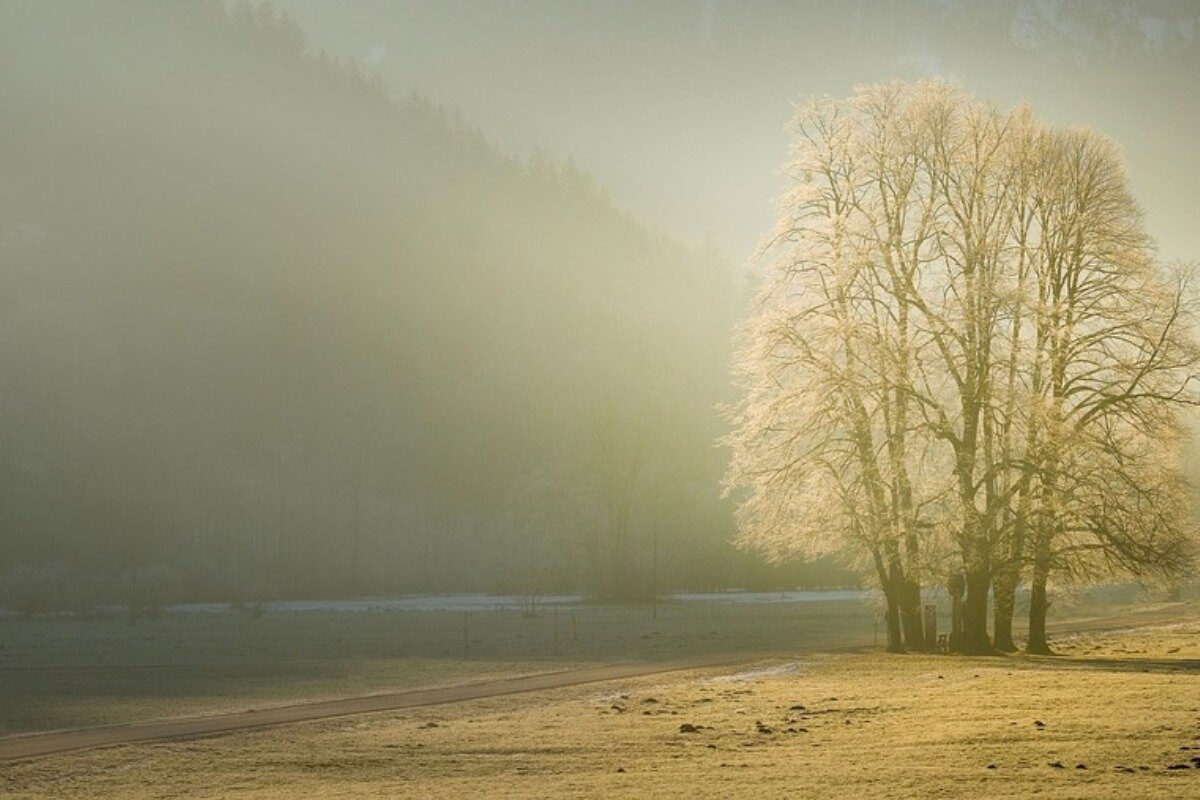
1117,664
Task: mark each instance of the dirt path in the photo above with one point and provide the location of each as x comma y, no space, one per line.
40,744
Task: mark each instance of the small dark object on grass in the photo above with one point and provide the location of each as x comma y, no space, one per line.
991,766
620,769
1057,765
1180,766
1038,723
1081,766
649,700
688,727
796,707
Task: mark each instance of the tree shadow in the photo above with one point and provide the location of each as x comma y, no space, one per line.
1116,663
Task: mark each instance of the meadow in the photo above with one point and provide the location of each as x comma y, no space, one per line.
1117,714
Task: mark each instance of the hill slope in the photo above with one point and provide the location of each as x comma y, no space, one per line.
268,327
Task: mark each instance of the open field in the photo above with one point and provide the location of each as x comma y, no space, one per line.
67,673
1125,705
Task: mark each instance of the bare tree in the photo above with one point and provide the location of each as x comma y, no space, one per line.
1118,359
824,360
963,348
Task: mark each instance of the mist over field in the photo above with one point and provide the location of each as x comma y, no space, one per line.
286,332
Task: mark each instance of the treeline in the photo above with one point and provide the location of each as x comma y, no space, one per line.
269,330
966,365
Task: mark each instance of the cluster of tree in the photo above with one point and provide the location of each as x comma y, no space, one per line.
965,365
265,327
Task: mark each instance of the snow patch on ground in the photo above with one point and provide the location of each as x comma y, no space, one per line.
452,602
488,602
790,668
774,597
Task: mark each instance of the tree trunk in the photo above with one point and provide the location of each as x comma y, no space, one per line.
1008,576
975,635
1005,593
975,543
1039,604
955,586
910,614
979,579
895,641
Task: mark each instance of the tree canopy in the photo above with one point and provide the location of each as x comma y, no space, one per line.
964,358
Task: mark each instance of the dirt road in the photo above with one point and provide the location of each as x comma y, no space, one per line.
40,744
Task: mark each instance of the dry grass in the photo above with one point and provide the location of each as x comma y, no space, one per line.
1126,706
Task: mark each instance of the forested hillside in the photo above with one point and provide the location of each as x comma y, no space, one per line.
270,332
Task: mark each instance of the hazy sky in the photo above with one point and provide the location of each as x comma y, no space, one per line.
679,106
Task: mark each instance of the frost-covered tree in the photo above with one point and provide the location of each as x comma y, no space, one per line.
825,442
1114,358
963,358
